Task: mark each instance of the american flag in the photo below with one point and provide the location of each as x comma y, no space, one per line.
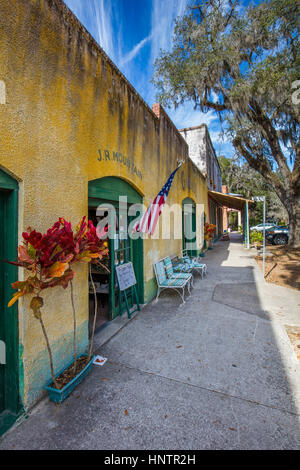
149,220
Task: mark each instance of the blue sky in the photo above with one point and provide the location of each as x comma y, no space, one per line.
132,32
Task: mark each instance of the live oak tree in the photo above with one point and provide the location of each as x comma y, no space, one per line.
243,63
240,178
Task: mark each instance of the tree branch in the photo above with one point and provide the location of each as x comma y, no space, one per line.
216,106
259,117
262,168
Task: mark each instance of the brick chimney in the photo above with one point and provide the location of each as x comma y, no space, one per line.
156,109
224,189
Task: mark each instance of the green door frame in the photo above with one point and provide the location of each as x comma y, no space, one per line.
107,190
9,274
194,225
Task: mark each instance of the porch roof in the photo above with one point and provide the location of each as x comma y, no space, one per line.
234,202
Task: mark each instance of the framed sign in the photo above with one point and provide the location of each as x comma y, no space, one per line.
126,279
125,275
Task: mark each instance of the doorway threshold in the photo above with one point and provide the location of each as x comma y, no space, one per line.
110,329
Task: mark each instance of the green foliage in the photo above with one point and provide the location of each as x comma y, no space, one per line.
233,220
240,178
48,258
243,62
256,237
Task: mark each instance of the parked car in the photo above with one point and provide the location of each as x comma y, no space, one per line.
260,227
278,235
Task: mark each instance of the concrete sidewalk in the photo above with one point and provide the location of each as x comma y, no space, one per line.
216,373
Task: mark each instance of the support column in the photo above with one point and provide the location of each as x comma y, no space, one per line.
247,226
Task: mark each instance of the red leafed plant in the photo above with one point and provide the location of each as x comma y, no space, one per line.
209,231
48,259
87,247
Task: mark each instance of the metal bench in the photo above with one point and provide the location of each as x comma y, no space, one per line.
193,263
177,283
175,271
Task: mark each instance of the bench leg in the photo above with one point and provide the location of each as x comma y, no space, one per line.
181,294
158,292
177,290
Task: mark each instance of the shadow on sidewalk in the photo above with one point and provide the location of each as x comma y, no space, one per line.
216,373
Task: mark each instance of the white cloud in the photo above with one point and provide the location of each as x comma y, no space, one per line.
97,18
77,7
103,16
131,55
163,16
219,137
186,116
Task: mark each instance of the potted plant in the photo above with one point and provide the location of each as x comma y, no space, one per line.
48,259
209,232
87,247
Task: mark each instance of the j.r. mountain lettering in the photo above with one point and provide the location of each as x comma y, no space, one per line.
118,157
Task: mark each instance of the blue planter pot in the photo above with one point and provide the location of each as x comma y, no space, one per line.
58,396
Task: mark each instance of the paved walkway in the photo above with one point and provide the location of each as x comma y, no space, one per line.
217,373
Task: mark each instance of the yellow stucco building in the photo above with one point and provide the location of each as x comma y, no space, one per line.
74,133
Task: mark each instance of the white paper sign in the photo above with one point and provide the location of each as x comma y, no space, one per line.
125,275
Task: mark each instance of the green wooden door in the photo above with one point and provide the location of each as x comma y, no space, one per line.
9,371
122,251
189,225
121,247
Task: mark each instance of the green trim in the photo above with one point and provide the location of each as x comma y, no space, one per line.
194,226
110,188
188,200
7,182
9,274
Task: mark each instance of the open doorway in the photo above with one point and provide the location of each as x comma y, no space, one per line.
121,248
101,278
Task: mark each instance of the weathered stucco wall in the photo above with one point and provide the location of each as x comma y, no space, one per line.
202,153
64,102
196,140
